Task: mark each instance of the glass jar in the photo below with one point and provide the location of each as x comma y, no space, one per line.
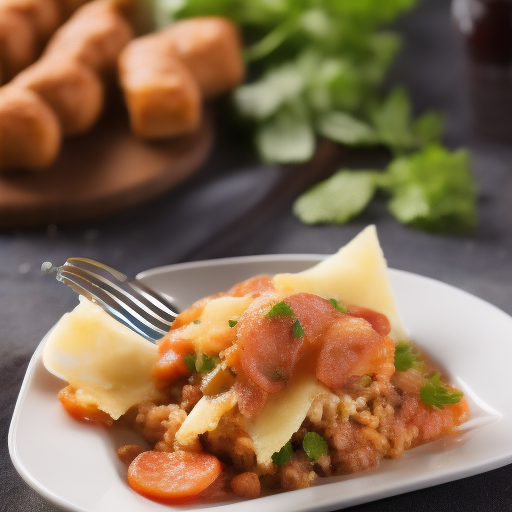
485,27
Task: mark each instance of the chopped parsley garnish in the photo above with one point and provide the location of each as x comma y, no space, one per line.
198,321
190,362
405,357
280,309
283,455
314,445
232,323
202,364
436,394
317,68
297,330
207,363
336,305
432,189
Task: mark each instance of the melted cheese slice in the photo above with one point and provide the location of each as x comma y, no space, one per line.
205,416
356,274
212,332
106,362
282,415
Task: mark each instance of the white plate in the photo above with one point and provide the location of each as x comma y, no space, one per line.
74,465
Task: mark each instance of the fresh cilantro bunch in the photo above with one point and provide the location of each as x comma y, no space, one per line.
316,68
432,190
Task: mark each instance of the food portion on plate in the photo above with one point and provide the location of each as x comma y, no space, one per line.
262,388
165,77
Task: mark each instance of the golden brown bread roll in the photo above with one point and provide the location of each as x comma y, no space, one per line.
210,47
165,75
29,130
25,27
161,94
94,35
18,44
44,15
71,89
64,87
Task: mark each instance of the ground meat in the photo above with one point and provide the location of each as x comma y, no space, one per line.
149,420
393,428
324,409
322,466
231,444
350,450
219,490
298,437
190,396
246,485
297,473
172,424
128,452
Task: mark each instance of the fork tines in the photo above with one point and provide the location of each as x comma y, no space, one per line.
127,300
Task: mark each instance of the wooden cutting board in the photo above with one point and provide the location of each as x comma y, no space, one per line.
100,173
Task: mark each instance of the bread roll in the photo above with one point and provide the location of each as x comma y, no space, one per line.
18,44
94,35
71,89
29,130
161,94
44,15
210,47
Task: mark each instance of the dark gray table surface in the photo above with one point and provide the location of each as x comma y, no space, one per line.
235,207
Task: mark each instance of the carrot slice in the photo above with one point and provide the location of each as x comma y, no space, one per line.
173,476
171,365
82,410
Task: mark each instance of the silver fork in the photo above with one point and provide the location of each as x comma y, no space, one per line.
126,299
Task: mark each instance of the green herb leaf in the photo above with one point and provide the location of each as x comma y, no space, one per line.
190,362
436,394
336,305
337,199
314,445
384,46
428,129
433,190
283,455
297,331
232,323
280,309
346,129
323,56
392,120
405,357
287,137
198,321
263,98
206,363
